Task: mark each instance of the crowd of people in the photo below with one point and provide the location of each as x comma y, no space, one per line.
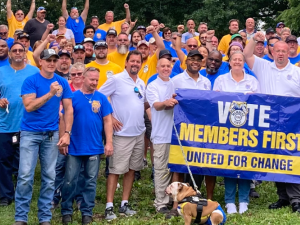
71,94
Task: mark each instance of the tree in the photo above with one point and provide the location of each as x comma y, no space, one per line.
291,16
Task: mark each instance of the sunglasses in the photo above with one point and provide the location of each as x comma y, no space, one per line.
79,74
19,14
192,46
136,90
18,50
4,33
76,47
51,60
216,60
95,17
272,45
201,23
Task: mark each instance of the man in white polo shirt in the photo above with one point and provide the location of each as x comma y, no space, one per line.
127,94
160,94
277,78
189,79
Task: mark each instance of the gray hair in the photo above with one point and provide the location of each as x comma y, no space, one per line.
3,26
237,52
77,66
109,12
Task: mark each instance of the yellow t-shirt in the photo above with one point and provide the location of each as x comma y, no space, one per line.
197,39
148,68
106,71
30,59
224,43
117,58
14,24
113,25
111,50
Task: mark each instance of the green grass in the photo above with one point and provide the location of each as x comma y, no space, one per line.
142,200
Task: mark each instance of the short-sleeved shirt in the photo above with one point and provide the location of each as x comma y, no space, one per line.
225,82
294,60
4,62
9,41
86,138
153,77
14,25
183,80
68,34
128,106
148,36
167,44
113,25
148,68
186,36
35,29
162,121
212,77
77,26
46,117
100,35
10,88
117,58
176,68
106,71
274,81
224,43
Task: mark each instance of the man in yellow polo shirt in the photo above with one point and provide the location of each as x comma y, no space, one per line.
17,20
224,43
149,62
110,24
24,39
106,67
118,57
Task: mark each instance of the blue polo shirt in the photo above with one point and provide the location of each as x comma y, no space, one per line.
77,26
148,36
99,35
10,88
46,117
86,138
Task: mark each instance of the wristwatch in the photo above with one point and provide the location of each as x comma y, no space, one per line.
68,132
179,35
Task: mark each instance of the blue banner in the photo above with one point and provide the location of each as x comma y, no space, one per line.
248,136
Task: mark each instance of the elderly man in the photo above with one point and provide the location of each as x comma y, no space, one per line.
3,53
118,57
18,20
277,78
109,20
4,35
190,25
74,21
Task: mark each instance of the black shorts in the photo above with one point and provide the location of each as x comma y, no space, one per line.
148,126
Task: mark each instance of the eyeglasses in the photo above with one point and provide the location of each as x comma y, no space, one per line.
79,74
3,33
272,45
194,60
192,46
18,50
19,14
136,90
168,33
51,60
216,60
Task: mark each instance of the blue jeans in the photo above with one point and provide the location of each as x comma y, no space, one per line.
230,189
32,145
91,165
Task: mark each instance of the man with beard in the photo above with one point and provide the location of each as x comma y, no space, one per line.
190,24
111,40
63,64
224,43
135,38
106,67
11,109
17,20
259,49
149,63
118,57
270,45
3,53
74,21
202,28
127,94
293,46
78,54
36,27
88,44
24,39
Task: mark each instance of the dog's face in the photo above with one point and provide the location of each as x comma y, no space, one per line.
175,188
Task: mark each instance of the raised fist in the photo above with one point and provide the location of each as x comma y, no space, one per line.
50,26
126,6
150,29
180,29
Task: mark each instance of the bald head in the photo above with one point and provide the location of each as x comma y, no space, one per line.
164,69
250,24
191,44
213,62
280,54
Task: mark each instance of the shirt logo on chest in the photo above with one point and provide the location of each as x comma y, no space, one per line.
95,106
59,91
146,68
289,77
98,35
109,73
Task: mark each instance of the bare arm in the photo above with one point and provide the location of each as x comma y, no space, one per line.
131,26
31,103
210,34
179,52
9,12
31,10
64,140
159,42
108,128
128,16
64,9
85,11
165,105
50,26
249,49
41,47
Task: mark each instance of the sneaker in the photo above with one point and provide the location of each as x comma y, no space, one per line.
5,202
163,210
253,193
109,214
243,207
145,163
126,210
66,219
231,208
172,213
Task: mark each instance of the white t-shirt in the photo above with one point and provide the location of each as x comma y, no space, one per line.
68,35
183,80
226,83
162,121
128,106
274,81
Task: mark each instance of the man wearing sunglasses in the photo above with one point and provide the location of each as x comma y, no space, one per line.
270,45
4,35
17,20
127,94
41,94
279,27
3,53
11,109
36,27
75,22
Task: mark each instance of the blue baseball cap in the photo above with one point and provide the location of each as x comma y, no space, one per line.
280,23
41,9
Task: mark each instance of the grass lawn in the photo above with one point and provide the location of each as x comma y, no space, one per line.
142,199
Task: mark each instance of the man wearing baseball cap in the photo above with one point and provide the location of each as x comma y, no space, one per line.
63,64
41,94
36,27
269,33
142,30
78,54
111,40
279,27
106,67
24,39
88,44
292,42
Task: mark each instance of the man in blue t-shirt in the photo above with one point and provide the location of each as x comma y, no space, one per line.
75,22
11,110
92,114
41,94
157,26
3,53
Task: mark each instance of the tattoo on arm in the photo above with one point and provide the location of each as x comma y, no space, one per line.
28,95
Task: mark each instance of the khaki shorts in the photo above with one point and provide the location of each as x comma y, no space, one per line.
128,154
